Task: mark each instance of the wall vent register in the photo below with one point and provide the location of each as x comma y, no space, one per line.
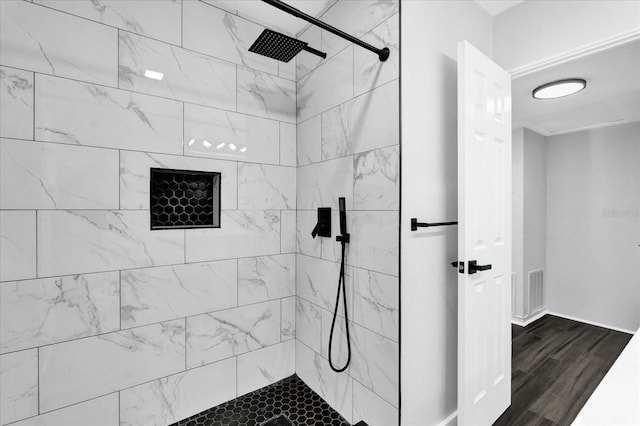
182,199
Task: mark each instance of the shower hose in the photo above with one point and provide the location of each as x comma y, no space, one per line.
341,284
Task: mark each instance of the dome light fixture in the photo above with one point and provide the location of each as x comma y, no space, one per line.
559,88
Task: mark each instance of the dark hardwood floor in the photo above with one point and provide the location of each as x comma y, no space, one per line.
556,365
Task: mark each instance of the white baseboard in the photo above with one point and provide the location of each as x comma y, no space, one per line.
610,327
523,322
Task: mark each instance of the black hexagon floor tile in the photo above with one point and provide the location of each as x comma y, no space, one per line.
287,402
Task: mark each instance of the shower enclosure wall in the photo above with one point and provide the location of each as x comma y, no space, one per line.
104,321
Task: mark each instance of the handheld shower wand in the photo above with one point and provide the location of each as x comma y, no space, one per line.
343,238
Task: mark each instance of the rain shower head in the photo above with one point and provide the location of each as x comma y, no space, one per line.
280,46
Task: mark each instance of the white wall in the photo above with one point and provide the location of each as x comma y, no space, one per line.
535,201
593,225
535,29
430,33
517,221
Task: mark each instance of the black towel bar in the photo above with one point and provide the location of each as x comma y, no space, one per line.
415,224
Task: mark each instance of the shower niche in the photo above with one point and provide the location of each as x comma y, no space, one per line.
183,199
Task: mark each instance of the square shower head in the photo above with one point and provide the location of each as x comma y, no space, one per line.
277,46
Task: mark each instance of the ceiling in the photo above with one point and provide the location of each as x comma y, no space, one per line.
495,7
612,95
274,18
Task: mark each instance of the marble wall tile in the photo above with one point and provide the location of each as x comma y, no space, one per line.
159,19
288,326
188,76
48,175
18,385
243,233
335,388
103,411
368,71
223,334
261,186
265,366
376,179
287,144
233,36
364,123
327,86
170,399
17,245
307,62
287,69
308,324
75,371
266,278
355,18
288,231
51,310
84,114
375,363
321,184
374,241
77,241
306,244
47,41
374,410
376,302
317,282
339,344
266,95
158,294
16,103
309,133
206,129
135,175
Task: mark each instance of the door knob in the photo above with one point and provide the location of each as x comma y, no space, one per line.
474,267
459,265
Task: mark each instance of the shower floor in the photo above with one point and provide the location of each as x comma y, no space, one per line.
287,402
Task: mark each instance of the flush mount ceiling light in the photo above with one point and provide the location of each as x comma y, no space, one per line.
155,75
559,88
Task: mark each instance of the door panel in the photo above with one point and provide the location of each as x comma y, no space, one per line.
484,235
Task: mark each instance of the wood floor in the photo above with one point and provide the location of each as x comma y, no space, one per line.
556,365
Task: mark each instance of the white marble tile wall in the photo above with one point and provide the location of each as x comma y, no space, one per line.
95,308
348,145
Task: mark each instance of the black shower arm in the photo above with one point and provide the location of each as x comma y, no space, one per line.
383,53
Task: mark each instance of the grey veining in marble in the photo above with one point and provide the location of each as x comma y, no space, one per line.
85,114
306,244
287,144
266,278
170,399
211,132
50,310
364,123
368,71
18,385
16,103
321,184
262,186
308,324
48,175
218,335
288,330
266,95
288,231
233,36
69,373
309,143
376,302
76,241
159,19
188,76
243,233
44,40
376,179
17,245
163,293
317,281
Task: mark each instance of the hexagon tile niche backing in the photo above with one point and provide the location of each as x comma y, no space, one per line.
182,199
289,402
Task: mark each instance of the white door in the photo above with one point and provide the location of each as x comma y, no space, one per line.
484,236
